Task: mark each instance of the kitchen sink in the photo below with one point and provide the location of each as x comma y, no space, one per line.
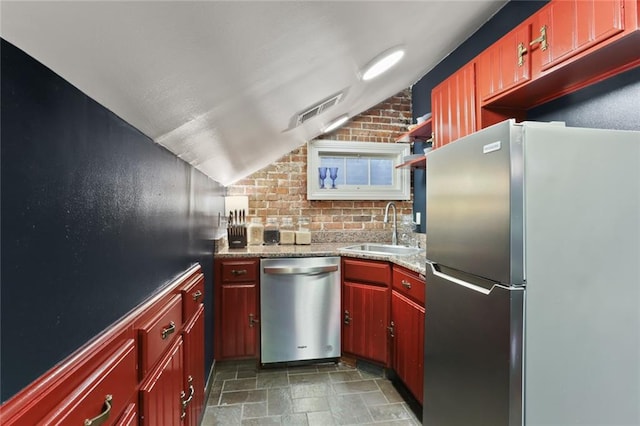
385,249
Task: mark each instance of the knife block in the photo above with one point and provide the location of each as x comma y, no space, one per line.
237,236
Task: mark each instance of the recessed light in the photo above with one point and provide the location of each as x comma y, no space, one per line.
336,123
382,63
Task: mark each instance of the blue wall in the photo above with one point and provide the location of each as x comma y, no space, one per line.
95,219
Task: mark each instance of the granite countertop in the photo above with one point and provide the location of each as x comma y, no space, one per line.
416,263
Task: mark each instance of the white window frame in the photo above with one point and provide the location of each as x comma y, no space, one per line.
399,190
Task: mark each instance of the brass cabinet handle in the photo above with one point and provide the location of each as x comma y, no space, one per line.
406,284
168,330
347,318
252,320
521,52
102,417
392,329
186,401
542,39
237,272
196,295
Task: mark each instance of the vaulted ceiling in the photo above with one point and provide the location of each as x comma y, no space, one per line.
220,83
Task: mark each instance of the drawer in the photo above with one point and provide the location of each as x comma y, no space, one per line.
239,270
409,283
366,271
192,297
158,333
105,394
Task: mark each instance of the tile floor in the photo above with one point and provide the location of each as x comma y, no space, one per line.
321,394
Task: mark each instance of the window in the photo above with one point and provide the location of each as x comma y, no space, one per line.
338,170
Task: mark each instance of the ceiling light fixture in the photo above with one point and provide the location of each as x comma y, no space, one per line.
336,123
382,63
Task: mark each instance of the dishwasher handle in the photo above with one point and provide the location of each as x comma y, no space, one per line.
290,270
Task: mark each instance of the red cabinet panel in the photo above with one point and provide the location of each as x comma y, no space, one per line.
366,271
238,335
572,26
160,393
409,283
106,392
192,297
365,321
408,342
194,368
453,104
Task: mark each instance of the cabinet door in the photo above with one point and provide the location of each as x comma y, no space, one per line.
238,333
453,104
366,318
505,64
160,393
408,342
194,368
573,26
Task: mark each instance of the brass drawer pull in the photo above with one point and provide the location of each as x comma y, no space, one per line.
102,417
237,272
196,295
187,401
406,284
542,39
168,330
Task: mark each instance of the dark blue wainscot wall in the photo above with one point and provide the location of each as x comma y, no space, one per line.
95,219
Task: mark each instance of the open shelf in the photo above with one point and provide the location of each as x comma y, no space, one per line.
416,163
423,130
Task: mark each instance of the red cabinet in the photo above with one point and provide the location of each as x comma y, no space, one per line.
569,27
407,317
237,315
365,305
193,401
161,393
453,104
504,65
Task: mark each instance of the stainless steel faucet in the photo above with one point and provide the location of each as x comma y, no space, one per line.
394,226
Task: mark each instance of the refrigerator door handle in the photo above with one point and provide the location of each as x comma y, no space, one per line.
470,286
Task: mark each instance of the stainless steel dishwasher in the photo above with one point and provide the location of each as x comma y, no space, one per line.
299,309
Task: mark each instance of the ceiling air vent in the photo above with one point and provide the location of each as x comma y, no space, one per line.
319,108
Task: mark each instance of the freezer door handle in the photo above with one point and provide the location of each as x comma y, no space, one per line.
287,270
470,286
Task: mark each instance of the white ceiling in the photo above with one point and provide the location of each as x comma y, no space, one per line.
219,83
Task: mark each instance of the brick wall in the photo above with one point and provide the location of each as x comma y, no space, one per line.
280,189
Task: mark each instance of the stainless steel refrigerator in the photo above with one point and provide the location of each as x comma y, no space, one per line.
533,278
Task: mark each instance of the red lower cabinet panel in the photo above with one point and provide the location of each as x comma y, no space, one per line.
194,368
104,394
161,392
129,417
408,342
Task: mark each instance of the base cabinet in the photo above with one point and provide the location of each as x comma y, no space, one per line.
236,309
194,373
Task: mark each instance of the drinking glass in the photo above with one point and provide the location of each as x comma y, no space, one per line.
322,172
333,174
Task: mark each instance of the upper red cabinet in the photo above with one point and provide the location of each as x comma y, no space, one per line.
504,65
566,28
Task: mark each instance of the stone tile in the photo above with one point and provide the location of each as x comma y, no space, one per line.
295,419
302,369
241,397
307,405
279,401
344,376
261,421
374,398
349,409
223,375
355,387
254,409
272,380
228,416
308,378
244,374
389,391
239,384
309,391
214,396
389,412
320,418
